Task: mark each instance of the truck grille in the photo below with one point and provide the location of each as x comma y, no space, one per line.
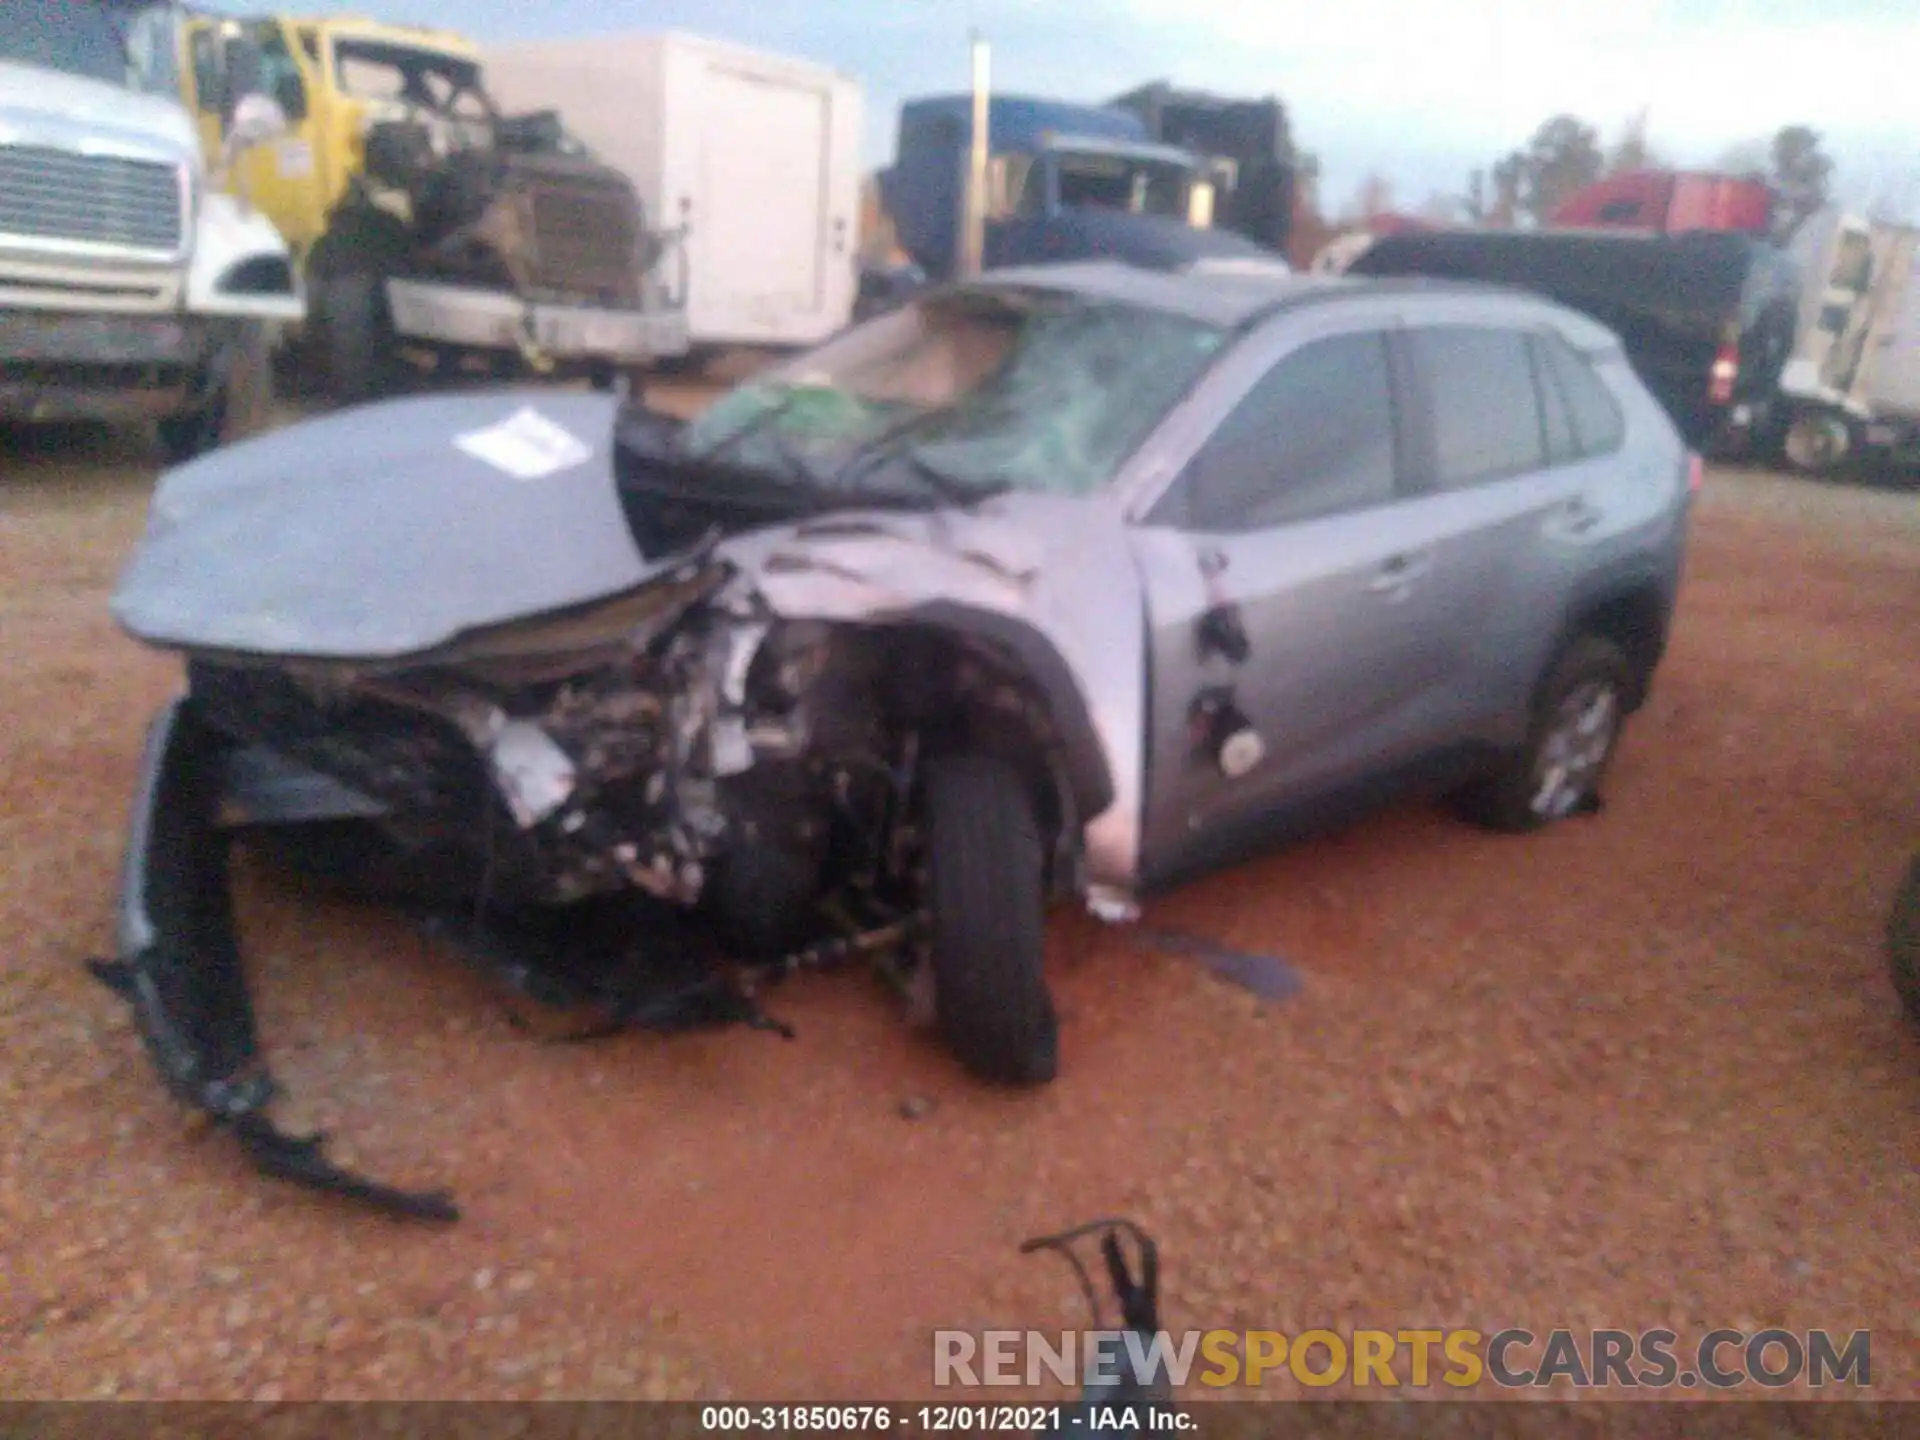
586,237
98,199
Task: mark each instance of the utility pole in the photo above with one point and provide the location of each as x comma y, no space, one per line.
973,232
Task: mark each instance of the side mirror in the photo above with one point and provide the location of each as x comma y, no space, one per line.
1200,205
256,118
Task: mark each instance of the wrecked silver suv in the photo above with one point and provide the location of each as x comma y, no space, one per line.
1067,582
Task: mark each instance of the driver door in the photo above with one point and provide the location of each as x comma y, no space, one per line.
1291,519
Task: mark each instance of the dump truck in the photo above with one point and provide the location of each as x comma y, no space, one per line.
753,156
132,290
1246,147
438,234
1671,202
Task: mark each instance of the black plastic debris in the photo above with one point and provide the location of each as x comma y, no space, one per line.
1267,976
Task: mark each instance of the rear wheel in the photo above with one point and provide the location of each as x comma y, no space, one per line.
1579,711
1817,442
986,898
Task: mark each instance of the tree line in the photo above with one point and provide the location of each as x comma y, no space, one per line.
1564,156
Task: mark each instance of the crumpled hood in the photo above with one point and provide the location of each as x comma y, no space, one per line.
384,530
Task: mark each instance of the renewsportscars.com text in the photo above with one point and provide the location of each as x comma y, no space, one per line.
1462,1359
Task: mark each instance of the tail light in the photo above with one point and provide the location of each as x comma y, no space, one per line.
1725,370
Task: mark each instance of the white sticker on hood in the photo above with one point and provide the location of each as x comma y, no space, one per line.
526,445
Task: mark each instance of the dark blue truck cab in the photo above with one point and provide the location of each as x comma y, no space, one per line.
1064,182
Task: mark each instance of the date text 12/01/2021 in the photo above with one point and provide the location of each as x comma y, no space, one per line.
937,1419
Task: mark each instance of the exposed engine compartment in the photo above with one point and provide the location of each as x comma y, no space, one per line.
714,756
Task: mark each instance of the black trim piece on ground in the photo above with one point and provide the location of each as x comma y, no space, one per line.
179,968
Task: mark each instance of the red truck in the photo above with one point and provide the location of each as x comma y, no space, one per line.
1670,202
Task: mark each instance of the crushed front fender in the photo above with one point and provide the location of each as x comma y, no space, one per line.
178,965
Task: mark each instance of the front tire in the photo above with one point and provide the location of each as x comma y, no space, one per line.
1903,941
986,866
354,341
1578,714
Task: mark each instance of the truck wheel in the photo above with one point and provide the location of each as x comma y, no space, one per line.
1817,441
353,339
243,406
987,902
691,366
1903,941
1578,713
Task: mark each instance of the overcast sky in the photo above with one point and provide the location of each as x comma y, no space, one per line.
1416,90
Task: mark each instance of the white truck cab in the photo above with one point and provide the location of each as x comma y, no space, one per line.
131,288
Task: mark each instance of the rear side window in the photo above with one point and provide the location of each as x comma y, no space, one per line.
1314,437
1556,420
1598,427
1486,411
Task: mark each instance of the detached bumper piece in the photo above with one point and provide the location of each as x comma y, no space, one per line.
179,967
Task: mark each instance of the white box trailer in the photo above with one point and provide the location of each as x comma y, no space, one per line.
1853,379
756,156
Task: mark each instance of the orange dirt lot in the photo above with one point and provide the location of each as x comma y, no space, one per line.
1645,1069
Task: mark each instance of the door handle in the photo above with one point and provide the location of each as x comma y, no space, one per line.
1397,572
1580,515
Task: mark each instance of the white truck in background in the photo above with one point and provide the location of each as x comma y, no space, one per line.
1852,381
752,158
131,289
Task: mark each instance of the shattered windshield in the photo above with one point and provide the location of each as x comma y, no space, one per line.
965,395
123,44
399,77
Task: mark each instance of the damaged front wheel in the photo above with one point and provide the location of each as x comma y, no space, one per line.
986,902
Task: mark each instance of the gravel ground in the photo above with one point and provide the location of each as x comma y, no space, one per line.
1645,1069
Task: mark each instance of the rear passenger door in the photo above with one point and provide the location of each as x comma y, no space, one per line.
1510,501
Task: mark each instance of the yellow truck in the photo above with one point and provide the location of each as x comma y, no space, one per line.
436,234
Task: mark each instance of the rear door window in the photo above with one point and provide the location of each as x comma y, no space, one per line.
1598,427
1487,423
1556,418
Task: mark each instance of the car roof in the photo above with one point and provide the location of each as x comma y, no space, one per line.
1238,298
